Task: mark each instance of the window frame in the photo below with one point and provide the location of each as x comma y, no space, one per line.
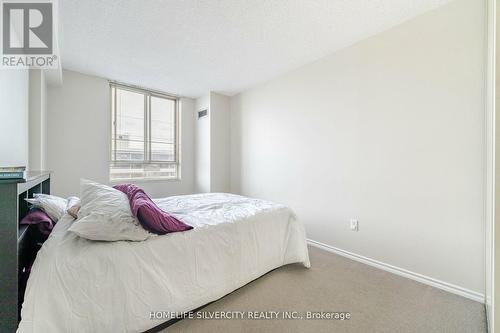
147,94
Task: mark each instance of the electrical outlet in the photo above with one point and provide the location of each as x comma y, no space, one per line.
354,225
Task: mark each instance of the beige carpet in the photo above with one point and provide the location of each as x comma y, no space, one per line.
378,302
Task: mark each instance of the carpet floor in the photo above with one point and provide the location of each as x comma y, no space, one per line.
377,301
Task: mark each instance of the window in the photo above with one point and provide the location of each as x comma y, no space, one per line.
144,136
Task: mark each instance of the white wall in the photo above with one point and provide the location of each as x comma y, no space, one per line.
389,131
219,143
14,90
202,145
212,144
37,120
23,113
78,140
491,74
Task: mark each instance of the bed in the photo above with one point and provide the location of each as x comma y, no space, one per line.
77,285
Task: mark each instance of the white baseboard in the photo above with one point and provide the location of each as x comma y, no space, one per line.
402,272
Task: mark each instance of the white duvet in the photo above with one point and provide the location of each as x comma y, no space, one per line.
77,285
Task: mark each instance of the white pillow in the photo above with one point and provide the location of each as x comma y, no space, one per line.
102,227
53,206
106,214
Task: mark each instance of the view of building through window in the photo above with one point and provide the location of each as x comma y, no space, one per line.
144,135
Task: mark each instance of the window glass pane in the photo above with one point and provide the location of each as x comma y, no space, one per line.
129,115
162,129
128,144
127,150
162,152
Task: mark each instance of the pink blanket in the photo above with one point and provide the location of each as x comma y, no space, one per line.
151,217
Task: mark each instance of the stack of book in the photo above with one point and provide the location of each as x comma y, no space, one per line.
12,172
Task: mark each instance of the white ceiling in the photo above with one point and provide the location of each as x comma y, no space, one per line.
189,47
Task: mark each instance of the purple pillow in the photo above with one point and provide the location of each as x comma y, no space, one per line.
151,217
39,218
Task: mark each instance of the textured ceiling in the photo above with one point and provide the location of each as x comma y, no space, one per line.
190,47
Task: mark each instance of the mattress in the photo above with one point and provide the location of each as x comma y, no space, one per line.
77,285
